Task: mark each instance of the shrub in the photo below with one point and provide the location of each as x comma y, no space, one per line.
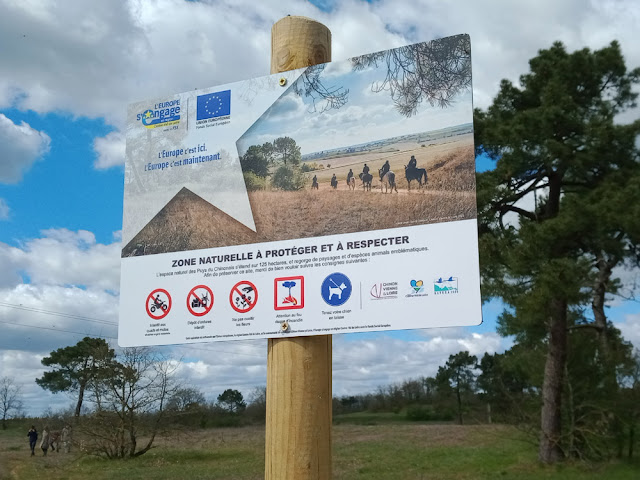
288,178
420,413
254,182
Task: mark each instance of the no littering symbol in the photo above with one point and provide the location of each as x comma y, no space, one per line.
158,304
243,296
200,300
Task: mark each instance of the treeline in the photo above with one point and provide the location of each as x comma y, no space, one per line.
600,418
274,165
125,399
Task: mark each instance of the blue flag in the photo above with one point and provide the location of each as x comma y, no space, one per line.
214,105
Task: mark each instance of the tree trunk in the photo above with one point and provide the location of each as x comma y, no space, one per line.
551,418
571,412
459,405
80,399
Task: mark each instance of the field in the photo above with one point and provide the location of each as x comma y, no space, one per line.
385,450
433,156
187,222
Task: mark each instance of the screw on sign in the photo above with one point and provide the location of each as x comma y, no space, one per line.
200,300
158,303
243,296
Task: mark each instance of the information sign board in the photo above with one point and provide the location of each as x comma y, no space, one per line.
343,193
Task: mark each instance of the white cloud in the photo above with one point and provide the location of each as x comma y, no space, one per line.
361,365
4,209
109,150
92,62
62,257
631,329
20,147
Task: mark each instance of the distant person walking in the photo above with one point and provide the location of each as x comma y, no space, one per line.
33,438
66,438
44,443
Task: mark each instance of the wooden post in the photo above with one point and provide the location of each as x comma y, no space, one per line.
298,434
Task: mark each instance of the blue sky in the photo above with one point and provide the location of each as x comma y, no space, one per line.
66,76
63,189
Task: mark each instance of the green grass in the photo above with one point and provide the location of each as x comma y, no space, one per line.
388,448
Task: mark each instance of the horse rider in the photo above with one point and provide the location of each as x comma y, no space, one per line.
413,163
349,176
385,168
334,181
365,170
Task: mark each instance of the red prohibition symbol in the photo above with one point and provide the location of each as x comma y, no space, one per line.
158,304
200,300
243,296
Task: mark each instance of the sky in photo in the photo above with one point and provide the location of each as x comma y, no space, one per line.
367,116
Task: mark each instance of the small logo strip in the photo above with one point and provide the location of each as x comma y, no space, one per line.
445,286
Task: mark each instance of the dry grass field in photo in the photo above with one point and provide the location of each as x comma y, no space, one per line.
187,222
380,448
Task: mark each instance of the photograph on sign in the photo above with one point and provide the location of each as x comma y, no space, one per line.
327,188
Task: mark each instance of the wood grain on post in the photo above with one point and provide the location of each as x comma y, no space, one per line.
298,434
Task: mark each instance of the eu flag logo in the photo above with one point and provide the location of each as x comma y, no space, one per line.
214,105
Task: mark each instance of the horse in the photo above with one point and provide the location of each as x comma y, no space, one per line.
415,174
366,179
388,180
352,183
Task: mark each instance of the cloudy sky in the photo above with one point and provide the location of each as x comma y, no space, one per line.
67,73
367,116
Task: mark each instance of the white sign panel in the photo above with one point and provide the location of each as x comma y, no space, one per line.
337,198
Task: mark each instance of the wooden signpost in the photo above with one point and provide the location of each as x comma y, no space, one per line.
298,432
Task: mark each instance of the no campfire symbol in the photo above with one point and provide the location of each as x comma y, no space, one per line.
200,300
243,296
158,303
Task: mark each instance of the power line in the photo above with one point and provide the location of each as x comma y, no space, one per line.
57,314
115,338
106,322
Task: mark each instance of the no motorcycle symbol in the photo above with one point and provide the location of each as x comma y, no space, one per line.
243,296
158,304
200,300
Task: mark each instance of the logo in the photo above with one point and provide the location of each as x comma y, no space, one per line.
243,296
213,105
417,289
288,293
163,114
384,291
445,287
336,289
